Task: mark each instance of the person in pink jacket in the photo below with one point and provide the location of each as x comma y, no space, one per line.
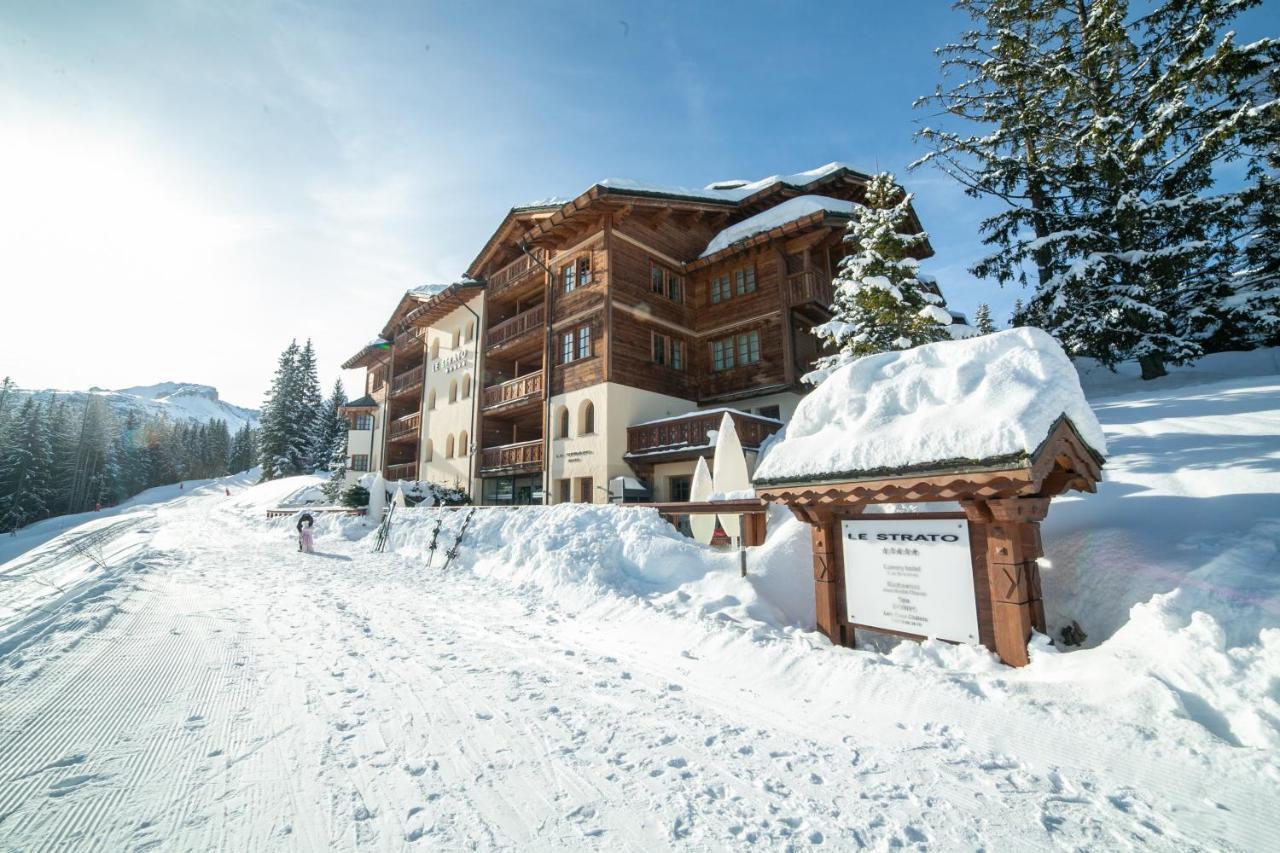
306,536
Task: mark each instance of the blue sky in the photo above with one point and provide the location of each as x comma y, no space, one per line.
198,182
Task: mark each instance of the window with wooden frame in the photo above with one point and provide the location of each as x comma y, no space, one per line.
677,354
575,345
657,277
566,348
658,350
359,462
675,287
720,288
668,351
584,270
736,350
722,354
744,280
363,422
584,342
568,276
664,282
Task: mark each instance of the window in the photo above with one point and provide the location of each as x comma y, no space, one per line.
584,342
575,345
566,349
722,354
471,332
655,278
431,400
659,349
428,451
678,488
462,443
567,276
770,412
457,335
744,279
466,385
448,447
719,289
360,462
562,423
453,391
664,282
677,354
584,271
586,490
675,288
739,349
565,490
749,347
587,419
363,422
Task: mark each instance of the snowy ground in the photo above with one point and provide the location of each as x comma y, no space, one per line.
177,676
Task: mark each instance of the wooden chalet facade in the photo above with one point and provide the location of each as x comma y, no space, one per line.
618,326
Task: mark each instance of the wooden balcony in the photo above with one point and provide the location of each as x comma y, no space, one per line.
511,458
687,437
513,393
509,332
516,273
809,286
403,471
407,382
405,428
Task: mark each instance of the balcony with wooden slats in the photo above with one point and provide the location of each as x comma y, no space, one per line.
513,394
809,286
521,458
688,436
518,277
523,332
408,382
405,429
403,471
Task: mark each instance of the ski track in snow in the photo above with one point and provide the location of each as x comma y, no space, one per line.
210,688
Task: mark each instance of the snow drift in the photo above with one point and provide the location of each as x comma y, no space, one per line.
989,397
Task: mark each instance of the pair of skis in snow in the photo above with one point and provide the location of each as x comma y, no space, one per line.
384,530
457,539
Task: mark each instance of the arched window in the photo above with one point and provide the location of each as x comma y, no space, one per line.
431,400
471,332
453,391
428,451
587,419
435,349
456,333
462,443
466,385
448,447
562,423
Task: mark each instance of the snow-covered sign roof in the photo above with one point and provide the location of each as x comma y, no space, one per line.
789,211
429,289
973,403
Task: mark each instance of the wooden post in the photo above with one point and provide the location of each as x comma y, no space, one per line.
824,531
1012,528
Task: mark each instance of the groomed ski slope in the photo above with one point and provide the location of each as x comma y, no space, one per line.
583,678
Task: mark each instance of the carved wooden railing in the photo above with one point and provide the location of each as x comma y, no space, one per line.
515,272
512,391
508,330
527,455
406,380
407,425
809,286
403,471
692,431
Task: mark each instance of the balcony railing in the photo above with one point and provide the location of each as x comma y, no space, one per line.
403,471
515,272
406,381
509,330
809,286
518,390
525,456
690,432
406,426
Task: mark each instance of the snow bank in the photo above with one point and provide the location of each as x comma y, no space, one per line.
957,401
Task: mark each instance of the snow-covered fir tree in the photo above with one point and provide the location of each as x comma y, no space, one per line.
1258,293
880,302
26,469
285,431
331,440
313,416
982,319
1109,131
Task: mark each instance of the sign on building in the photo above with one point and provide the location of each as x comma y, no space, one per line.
911,577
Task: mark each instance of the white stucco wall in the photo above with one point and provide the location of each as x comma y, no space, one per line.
451,419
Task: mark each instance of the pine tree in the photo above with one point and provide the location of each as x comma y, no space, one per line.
1258,274
282,443
26,470
880,302
331,440
311,414
1018,317
62,429
982,319
1128,117
91,456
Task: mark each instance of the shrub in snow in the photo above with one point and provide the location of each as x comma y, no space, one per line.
986,398
881,302
355,496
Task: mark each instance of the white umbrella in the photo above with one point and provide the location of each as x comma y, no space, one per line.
703,525
730,465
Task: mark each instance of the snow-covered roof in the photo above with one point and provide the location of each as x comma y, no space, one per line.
729,191
429,289
789,211
719,410
993,398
